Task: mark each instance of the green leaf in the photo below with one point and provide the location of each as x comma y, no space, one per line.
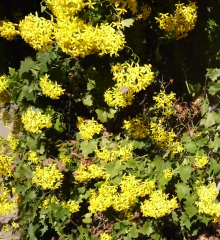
214,88
175,217
105,115
88,100
182,190
133,232
191,211
25,93
204,107
61,213
102,115
131,163
156,236
90,86
201,141
146,229
59,125
185,221
185,138
127,22
114,168
11,71
46,57
210,119
205,219
88,147
190,147
213,73
185,172
26,65
214,144
32,143
87,218
214,167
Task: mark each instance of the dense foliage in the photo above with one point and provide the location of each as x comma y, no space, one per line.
115,113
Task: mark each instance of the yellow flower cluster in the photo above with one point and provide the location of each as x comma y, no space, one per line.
13,141
165,102
165,139
201,161
37,31
47,201
67,8
3,83
34,122
5,164
71,205
93,171
50,89
6,228
65,158
105,236
121,154
88,128
121,5
158,205
122,196
181,22
48,177
8,30
206,204
7,204
168,173
132,77
136,128
33,157
83,39
145,12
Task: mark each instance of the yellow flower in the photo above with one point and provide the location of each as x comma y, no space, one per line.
71,205
158,205
105,236
34,122
168,173
181,22
165,102
8,30
121,5
7,204
93,171
13,141
33,157
201,161
48,177
5,164
37,31
84,39
47,201
50,89
164,138
130,76
3,83
121,154
122,196
136,128
65,158
88,128
207,201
